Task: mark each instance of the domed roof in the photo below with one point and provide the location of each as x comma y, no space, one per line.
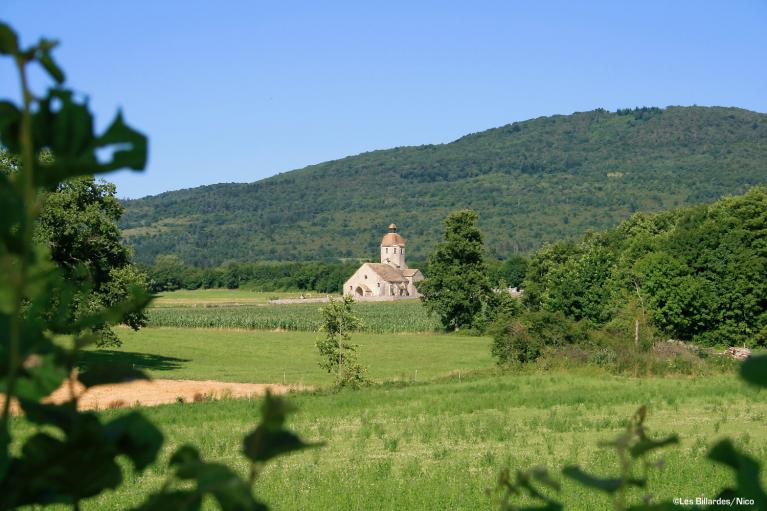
392,238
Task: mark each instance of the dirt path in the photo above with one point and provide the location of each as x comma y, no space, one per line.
158,392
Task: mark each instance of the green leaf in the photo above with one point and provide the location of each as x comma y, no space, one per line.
65,126
226,486
9,41
550,506
264,444
231,492
45,59
177,500
120,133
608,485
136,437
42,375
138,298
746,471
184,455
48,414
10,124
646,445
270,439
101,374
274,411
754,370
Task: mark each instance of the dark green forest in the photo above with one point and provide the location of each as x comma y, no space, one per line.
531,182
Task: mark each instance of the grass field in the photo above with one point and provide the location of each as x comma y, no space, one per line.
439,445
425,440
268,357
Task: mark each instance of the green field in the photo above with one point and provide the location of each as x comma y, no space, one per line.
438,424
384,317
439,445
268,357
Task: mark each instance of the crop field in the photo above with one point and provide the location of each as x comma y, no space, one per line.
289,357
439,445
383,317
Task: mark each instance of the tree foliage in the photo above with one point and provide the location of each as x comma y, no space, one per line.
457,287
700,272
169,273
339,355
78,223
532,182
75,455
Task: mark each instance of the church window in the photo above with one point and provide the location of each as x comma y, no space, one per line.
395,250
366,276
387,250
379,284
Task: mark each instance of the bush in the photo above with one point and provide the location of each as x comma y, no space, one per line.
523,338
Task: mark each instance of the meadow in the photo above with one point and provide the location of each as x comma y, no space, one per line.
436,426
440,444
290,357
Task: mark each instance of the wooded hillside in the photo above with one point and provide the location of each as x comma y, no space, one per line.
539,180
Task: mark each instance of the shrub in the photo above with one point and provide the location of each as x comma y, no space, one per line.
523,338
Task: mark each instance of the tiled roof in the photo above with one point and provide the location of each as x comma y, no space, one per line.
391,239
409,272
387,272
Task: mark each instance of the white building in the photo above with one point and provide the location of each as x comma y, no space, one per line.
391,277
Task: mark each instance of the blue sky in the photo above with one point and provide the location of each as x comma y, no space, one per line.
241,90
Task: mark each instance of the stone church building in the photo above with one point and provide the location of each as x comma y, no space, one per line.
389,279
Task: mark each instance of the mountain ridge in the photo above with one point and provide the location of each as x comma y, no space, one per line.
599,165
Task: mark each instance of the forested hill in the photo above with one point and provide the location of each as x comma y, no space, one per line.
533,181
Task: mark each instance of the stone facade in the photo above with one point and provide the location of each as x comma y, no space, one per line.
390,278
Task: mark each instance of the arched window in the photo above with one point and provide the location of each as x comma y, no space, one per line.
387,250
395,250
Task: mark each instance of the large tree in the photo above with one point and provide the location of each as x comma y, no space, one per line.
457,287
78,223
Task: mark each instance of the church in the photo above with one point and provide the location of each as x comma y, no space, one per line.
391,278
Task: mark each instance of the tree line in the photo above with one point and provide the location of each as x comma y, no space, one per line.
694,274
170,273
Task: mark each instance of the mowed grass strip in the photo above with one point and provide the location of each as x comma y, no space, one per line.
290,357
217,297
440,445
377,317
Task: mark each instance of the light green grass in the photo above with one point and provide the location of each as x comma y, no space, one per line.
440,445
268,357
218,297
377,317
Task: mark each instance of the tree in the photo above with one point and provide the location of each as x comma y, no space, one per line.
67,455
339,356
78,224
457,285
511,272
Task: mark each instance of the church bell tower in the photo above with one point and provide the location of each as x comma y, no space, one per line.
393,248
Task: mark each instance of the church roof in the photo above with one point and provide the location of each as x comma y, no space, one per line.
409,272
387,272
391,239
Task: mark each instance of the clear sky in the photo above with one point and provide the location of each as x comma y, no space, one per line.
241,90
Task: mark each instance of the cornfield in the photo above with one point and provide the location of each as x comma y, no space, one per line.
390,317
